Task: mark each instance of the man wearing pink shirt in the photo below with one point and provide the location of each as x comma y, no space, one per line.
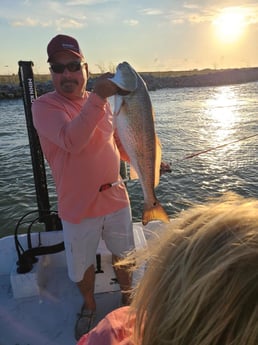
78,140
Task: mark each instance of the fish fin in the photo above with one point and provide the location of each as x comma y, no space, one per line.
133,173
157,161
118,103
156,212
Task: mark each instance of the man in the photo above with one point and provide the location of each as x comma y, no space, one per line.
77,138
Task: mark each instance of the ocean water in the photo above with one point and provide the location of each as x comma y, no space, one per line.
216,126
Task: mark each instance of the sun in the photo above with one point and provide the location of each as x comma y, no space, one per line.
230,24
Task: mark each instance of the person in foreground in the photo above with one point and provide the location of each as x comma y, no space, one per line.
78,140
200,285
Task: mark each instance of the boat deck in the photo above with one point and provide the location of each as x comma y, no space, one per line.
49,318
40,307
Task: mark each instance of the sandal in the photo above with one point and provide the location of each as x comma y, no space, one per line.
84,323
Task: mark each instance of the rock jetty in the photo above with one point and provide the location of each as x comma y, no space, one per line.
154,81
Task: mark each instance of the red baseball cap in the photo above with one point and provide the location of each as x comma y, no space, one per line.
63,43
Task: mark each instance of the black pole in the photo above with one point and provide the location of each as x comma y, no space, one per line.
52,221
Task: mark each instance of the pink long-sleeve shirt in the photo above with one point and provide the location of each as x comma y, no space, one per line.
77,139
115,329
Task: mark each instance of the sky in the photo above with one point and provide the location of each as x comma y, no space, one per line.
160,35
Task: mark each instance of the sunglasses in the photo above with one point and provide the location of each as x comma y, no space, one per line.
73,66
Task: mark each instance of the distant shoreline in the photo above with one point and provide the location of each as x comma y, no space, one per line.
10,89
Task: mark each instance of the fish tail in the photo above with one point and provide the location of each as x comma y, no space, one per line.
156,212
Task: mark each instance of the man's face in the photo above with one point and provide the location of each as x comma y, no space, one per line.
69,83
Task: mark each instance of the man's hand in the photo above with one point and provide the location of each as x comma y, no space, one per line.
104,87
165,168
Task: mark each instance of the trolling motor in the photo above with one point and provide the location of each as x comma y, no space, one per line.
49,218
51,221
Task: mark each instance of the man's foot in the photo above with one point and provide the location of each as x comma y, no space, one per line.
84,323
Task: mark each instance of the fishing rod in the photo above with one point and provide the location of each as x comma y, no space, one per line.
215,148
166,167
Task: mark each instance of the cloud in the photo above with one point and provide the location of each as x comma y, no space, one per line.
70,13
131,22
64,23
190,6
60,23
29,22
60,16
151,11
86,2
200,11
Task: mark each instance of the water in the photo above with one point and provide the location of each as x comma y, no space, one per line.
188,121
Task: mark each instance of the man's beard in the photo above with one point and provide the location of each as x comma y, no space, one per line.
69,85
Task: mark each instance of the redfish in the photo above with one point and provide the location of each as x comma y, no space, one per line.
134,122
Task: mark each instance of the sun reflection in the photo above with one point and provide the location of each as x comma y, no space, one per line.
222,109
220,135
222,104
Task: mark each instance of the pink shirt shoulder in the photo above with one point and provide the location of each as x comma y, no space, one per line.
115,329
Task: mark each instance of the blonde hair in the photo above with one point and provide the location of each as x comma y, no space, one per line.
201,282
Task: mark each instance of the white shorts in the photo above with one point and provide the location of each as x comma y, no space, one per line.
81,240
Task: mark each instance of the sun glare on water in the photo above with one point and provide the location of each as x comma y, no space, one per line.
230,24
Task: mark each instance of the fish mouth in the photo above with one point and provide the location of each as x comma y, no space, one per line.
121,85
125,77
